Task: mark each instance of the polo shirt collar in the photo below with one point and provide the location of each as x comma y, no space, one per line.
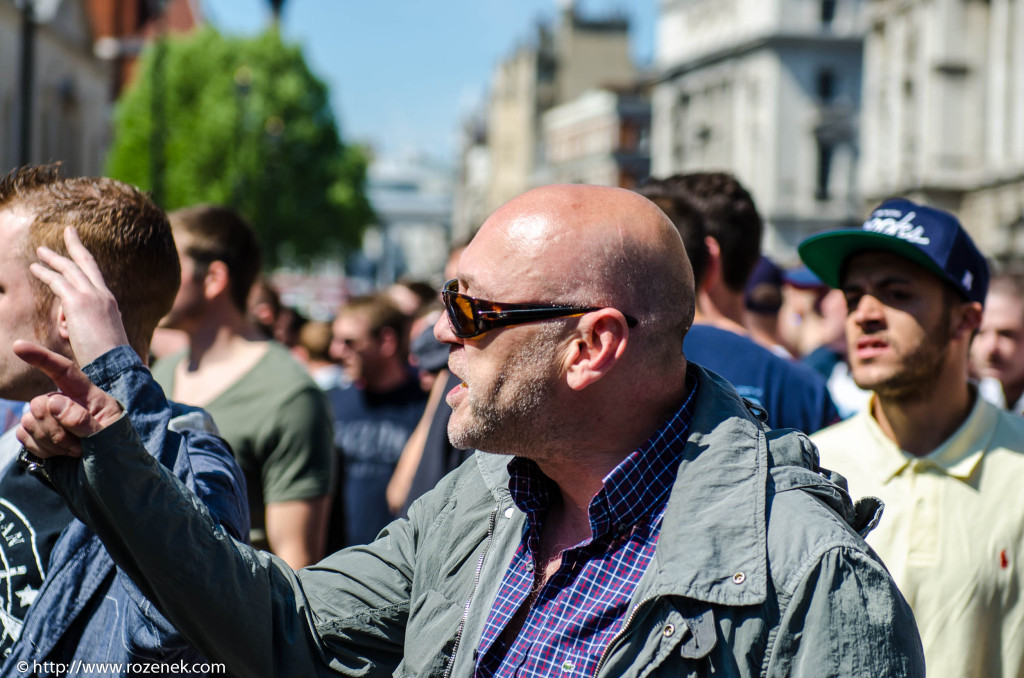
957,456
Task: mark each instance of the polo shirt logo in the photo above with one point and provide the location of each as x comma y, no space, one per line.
903,228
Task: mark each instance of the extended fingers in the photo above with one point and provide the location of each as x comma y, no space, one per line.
60,269
83,257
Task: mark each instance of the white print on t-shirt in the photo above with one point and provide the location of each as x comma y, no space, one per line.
18,553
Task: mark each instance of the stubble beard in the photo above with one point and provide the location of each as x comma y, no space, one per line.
919,374
511,417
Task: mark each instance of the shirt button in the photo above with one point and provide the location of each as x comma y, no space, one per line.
739,578
668,630
529,566
509,512
568,666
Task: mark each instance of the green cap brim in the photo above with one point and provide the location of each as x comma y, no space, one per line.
826,253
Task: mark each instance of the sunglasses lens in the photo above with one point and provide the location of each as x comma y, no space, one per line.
463,312
460,311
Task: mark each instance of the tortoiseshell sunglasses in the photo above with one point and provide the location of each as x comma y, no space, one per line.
471,317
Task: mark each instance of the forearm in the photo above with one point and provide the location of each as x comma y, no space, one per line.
227,599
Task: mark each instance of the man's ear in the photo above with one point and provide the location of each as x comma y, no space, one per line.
713,265
967,321
216,280
62,321
387,339
599,342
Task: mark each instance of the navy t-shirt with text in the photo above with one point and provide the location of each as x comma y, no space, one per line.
794,395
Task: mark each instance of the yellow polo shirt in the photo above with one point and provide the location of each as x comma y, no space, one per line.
952,533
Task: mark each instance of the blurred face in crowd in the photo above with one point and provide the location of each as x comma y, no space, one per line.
354,346
20,315
998,348
190,303
898,324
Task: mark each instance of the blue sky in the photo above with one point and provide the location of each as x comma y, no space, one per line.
402,73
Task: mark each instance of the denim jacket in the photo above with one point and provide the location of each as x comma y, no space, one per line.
89,610
760,569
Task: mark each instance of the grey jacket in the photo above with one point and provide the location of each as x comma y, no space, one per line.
758,569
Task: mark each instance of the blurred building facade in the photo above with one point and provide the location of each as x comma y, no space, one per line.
943,118
769,90
70,100
82,51
412,198
601,137
561,63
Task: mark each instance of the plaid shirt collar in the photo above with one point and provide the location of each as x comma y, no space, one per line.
636,488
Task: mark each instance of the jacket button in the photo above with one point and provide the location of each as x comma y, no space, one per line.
668,630
739,578
509,512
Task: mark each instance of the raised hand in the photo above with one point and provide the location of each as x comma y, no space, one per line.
90,310
56,421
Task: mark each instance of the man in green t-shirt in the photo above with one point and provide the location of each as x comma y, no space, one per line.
264,403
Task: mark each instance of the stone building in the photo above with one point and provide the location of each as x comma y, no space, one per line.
82,54
943,115
769,90
580,53
601,137
71,105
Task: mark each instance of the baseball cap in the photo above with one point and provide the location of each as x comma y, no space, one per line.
925,235
763,293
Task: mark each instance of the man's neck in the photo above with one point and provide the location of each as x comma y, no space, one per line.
721,307
921,424
715,319
580,463
391,376
217,340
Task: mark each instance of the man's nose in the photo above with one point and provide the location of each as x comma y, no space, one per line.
868,311
443,331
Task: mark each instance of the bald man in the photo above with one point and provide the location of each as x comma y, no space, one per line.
626,511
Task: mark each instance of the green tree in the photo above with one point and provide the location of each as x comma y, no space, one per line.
242,122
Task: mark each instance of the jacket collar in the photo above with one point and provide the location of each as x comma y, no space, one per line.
713,542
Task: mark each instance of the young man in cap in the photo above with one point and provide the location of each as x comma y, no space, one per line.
946,463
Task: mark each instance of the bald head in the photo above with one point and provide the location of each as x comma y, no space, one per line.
592,246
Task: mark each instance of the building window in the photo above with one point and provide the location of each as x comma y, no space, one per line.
826,85
824,169
828,12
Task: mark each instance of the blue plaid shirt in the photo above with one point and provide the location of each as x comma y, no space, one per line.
584,604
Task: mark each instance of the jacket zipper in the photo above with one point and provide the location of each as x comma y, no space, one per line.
476,583
622,632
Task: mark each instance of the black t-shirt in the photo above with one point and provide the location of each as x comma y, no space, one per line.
32,517
370,430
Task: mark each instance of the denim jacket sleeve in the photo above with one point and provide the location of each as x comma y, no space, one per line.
201,461
234,604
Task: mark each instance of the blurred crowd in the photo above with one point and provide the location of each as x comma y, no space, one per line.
891,346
